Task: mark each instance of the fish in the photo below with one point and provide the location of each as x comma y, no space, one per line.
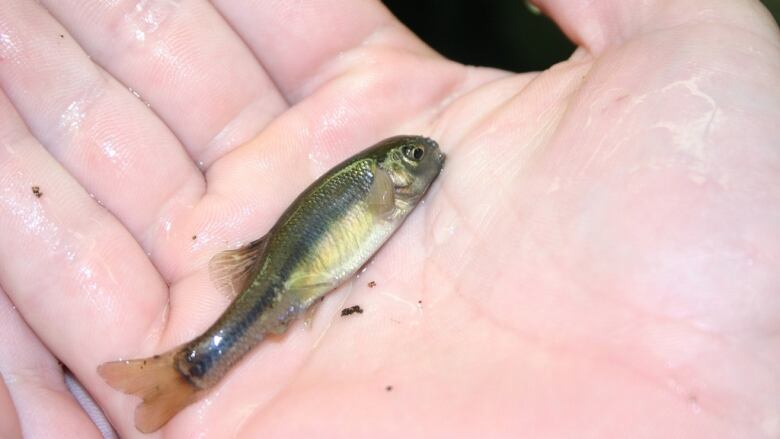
321,240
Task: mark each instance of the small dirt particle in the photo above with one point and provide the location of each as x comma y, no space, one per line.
62,36
351,310
194,237
420,302
372,284
36,190
389,388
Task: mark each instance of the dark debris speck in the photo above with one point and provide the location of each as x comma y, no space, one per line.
372,284
389,388
36,190
351,310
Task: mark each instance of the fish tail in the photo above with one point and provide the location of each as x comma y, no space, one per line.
164,390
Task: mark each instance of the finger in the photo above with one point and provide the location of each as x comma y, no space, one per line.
79,279
597,25
89,406
101,134
295,41
9,421
35,383
185,61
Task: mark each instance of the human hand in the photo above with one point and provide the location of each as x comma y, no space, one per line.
597,259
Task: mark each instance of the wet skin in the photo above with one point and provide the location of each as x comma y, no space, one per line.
600,258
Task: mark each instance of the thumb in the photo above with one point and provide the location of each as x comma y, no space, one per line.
598,24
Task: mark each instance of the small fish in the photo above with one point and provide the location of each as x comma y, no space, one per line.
318,243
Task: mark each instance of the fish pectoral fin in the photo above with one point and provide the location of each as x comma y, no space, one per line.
232,270
306,288
381,196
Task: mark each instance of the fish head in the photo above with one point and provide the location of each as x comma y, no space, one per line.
412,162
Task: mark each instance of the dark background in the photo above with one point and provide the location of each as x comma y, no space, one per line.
496,33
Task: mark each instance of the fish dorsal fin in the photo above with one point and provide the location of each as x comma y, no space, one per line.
381,196
232,270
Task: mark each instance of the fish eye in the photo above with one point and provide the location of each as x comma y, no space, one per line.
197,370
197,366
414,153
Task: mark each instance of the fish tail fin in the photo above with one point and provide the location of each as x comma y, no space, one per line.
156,380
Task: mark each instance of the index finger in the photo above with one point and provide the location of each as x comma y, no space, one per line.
296,41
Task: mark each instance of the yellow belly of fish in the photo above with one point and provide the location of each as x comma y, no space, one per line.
341,251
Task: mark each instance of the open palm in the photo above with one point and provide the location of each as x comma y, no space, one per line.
598,258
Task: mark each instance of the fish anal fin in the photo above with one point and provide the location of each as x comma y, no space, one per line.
301,295
165,391
232,270
306,288
308,291
308,315
279,328
381,195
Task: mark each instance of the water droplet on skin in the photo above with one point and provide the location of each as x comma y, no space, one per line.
320,158
87,272
147,16
8,47
110,150
72,117
135,93
364,268
444,227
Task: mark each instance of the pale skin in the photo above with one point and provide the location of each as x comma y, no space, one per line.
598,259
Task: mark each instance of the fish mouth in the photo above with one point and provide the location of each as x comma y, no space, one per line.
432,144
